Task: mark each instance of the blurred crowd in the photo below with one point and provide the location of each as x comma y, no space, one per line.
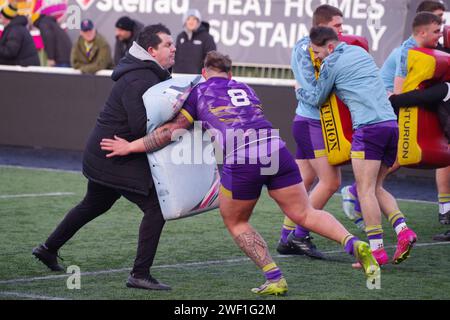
90,52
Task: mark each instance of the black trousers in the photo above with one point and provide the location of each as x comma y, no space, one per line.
98,200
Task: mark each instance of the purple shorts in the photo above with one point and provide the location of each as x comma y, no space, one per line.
245,181
308,136
376,142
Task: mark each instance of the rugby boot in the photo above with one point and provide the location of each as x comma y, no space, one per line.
276,288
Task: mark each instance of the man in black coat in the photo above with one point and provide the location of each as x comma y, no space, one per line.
145,65
193,44
16,44
57,43
127,31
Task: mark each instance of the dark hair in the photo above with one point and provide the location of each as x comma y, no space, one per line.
425,19
324,14
149,37
217,61
320,36
430,6
125,23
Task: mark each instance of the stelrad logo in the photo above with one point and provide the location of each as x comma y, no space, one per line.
85,4
137,6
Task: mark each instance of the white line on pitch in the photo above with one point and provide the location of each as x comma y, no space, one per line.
35,195
184,265
418,201
79,172
28,295
7,166
405,200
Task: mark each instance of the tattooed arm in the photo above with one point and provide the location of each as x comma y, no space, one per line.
153,141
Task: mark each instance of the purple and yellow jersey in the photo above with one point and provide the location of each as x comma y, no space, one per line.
227,106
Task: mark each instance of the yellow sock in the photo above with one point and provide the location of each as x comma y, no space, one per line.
272,272
375,236
444,202
288,227
398,221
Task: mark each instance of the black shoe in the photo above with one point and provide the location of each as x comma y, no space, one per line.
286,249
148,283
48,258
304,246
444,218
443,236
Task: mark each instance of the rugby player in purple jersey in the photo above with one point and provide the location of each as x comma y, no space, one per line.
233,112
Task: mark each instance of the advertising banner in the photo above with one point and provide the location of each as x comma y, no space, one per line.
250,31
258,31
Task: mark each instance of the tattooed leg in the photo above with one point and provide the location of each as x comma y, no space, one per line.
236,214
254,247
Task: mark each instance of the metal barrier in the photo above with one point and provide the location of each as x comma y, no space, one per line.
262,71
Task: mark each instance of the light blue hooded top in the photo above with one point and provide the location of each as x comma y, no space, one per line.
352,74
402,59
304,74
389,68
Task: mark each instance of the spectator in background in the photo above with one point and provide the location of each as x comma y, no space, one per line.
57,43
127,31
193,44
91,52
16,44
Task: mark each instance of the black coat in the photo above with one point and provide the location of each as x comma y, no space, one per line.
56,41
123,115
121,47
440,47
191,53
16,44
